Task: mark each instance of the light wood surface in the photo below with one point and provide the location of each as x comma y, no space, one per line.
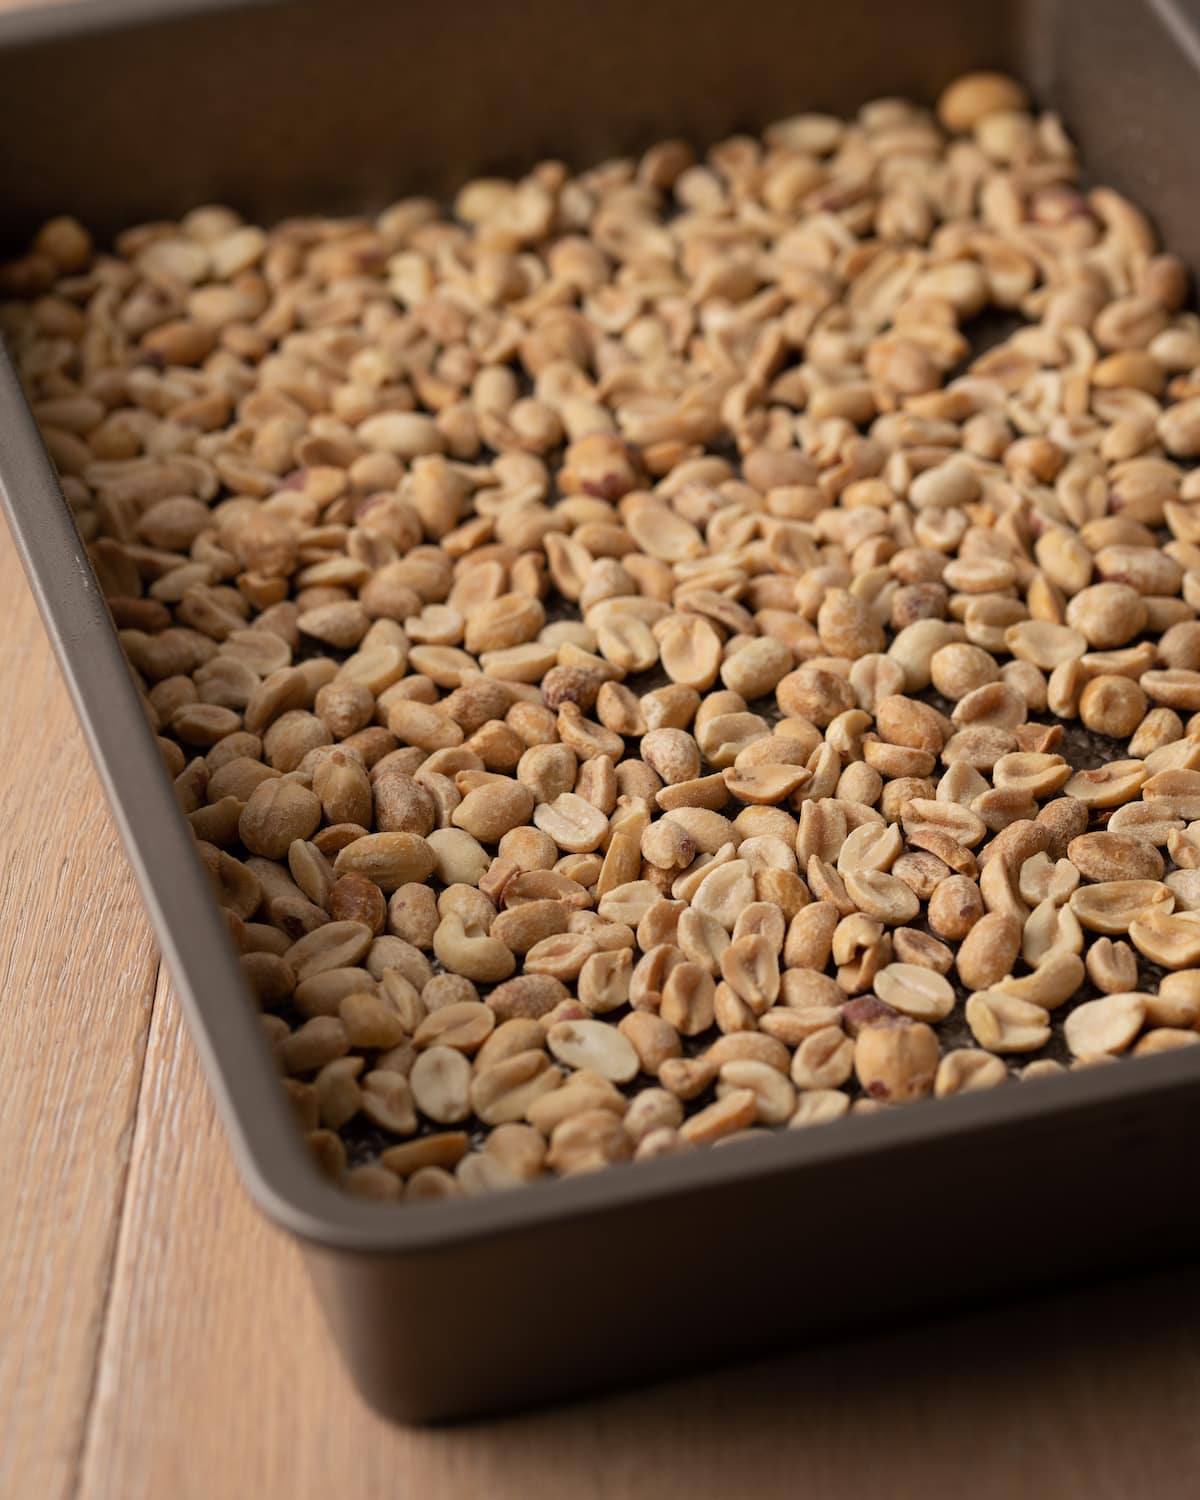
158,1338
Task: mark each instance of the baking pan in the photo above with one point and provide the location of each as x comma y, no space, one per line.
122,111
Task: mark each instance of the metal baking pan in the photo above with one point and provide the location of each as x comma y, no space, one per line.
120,110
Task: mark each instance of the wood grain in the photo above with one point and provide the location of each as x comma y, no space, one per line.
76,984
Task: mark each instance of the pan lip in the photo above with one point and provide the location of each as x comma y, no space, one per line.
220,1014
71,19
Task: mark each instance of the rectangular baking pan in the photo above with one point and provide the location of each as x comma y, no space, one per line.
125,111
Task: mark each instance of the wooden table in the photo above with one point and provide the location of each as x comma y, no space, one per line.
158,1339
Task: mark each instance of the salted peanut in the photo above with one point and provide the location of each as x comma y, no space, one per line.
1045,644
1043,1067
701,939
1175,688
595,1046
420,724
666,845
445,1149
762,919
603,984
588,1141
689,649
1112,905
457,857
526,997
1172,940
1042,879
775,1097
911,946
504,1091
1112,705
412,914
819,1107
757,668
561,956
1107,614
1050,928
652,1110
338,1094
1174,1008
725,892
1145,821
1112,967
375,1020
824,1060
870,846
654,1040
989,950
966,1070
1060,822
687,1077
471,952
379,1184
972,97
750,966
440,1080
277,813
881,896
1108,856
672,753
335,945
573,823
1104,1026
490,811
389,859
1160,727
821,832
766,785
726,738
810,936
896,1060
915,991
387,1101
749,1046
959,668
582,1091
1164,1039
463,1025
955,906
1175,793
907,721
924,816
1056,979
1005,1023
997,705
735,1111
1035,775
688,996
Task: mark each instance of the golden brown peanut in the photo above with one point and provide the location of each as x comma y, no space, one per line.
989,951
896,1062
1106,1025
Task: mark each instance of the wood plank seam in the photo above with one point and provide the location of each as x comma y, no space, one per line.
119,1231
